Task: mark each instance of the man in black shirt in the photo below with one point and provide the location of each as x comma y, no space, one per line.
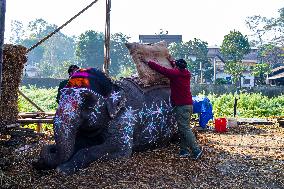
62,84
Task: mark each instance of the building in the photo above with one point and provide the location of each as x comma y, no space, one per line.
31,71
249,60
276,77
157,38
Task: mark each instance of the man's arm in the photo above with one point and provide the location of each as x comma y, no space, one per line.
162,70
62,84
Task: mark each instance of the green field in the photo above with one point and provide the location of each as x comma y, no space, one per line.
249,105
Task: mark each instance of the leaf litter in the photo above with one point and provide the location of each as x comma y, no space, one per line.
249,156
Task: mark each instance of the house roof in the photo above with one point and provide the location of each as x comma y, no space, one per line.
215,51
278,68
251,56
157,38
277,76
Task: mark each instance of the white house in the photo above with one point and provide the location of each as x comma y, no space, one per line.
31,71
249,60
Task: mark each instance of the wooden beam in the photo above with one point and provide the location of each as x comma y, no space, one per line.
30,101
35,114
2,31
30,120
107,38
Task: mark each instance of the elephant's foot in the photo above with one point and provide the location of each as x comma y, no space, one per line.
65,169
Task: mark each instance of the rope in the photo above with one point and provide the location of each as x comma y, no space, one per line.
58,29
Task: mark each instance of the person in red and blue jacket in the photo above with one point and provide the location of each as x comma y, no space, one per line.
181,100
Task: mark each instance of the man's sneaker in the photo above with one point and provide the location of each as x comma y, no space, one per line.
197,155
184,153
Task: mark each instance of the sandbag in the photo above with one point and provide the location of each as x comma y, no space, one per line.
157,52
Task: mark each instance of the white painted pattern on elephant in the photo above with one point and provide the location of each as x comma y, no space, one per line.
96,110
129,118
155,119
66,116
115,96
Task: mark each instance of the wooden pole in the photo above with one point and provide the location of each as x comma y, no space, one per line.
30,101
214,66
107,38
2,31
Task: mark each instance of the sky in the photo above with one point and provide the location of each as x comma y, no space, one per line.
208,20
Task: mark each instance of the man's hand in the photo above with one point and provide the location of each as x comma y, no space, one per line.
170,58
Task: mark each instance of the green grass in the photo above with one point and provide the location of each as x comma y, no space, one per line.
249,105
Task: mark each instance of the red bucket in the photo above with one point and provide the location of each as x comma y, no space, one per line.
220,125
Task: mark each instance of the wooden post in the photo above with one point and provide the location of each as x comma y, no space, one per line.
107,38
214,66
30,101
201,74
39,127
2,31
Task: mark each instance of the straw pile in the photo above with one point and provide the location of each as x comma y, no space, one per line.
14,59
157,52
250,156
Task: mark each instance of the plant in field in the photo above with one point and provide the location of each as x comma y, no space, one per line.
44,98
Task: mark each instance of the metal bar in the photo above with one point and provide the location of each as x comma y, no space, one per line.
58,29
107,38
30,101
2,31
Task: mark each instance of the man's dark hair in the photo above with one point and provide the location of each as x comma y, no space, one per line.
181,63
72,68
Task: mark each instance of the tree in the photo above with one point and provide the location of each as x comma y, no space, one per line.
257,25
267,30
36,55
194,48
270,41
119,55
17,32
272,55
260,71
233,48
201,64
90,49
50,57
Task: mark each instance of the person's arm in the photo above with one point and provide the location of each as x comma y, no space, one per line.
162,70
62,84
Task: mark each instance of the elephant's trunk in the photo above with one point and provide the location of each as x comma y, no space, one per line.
66,123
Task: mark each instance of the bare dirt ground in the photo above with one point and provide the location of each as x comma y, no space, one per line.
250,156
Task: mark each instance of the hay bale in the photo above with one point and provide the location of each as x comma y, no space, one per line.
157,52
14,59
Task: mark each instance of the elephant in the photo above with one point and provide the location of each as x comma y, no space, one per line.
109,120
106,120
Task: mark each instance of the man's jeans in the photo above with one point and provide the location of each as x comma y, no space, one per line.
183,117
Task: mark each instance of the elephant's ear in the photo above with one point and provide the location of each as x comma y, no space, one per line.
115,101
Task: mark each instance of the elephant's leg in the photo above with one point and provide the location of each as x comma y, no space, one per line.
88,155
119,143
